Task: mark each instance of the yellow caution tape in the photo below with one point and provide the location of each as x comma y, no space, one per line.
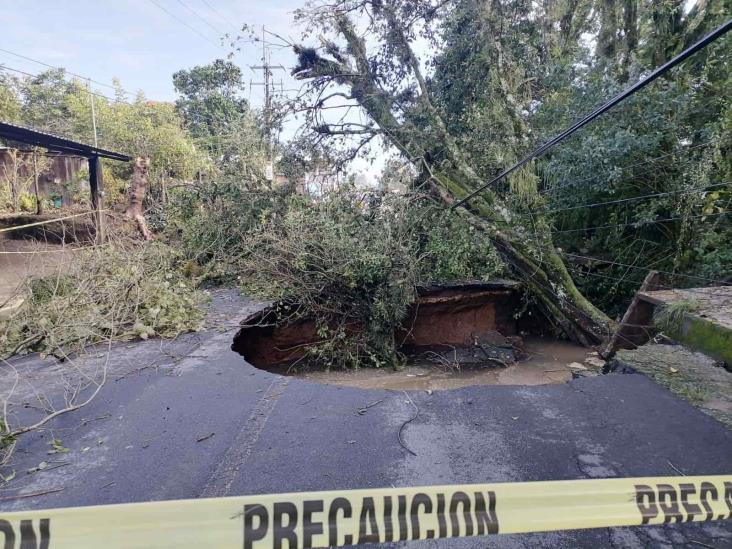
47,221
338,518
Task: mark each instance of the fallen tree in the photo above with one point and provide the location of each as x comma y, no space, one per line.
366,60
136,195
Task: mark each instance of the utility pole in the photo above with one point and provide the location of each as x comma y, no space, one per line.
94,114
269,88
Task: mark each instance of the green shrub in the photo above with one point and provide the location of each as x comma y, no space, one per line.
353,265
27,202
114,291
210,224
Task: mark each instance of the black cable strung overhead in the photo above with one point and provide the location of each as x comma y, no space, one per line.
551,189
636,198
612,262
184,23
660,71
640,223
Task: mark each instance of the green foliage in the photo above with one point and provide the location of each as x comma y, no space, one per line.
210,101
50,102
527,78
27,202
141,128
454,250
9,98
45,102
212,105
115,291
353,265
210,225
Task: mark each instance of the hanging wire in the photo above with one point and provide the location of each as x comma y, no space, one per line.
184,23
30,74
201,18
220,16
551,189
21,56
641,223
635,198
694,277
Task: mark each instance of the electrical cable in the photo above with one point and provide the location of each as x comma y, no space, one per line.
639,223
184,23
624,200
97,94
701,278
221,17
550,190
186,6
618,279
66,71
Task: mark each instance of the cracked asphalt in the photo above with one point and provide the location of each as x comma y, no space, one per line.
190,418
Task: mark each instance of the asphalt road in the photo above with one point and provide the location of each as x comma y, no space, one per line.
190,418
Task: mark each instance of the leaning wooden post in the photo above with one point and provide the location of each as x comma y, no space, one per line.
96,186
634,329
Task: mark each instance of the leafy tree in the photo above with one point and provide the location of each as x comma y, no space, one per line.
9,99
215,113
211,102
49,102
366,56
45,101
607,165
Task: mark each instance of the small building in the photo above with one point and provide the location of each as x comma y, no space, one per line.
12,134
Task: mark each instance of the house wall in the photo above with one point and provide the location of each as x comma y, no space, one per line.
51,181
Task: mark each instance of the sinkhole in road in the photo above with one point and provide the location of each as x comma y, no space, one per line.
455,335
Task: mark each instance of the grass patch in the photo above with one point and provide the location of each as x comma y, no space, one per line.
669,318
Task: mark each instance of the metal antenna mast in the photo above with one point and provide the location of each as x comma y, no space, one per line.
269,88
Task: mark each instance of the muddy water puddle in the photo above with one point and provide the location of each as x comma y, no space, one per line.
548,363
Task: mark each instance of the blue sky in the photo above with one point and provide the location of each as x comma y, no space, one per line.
143,45
135,40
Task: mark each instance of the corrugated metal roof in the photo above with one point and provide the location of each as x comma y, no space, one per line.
56,143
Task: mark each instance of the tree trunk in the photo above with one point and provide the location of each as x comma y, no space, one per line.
14,192
137,192
39,204
607,38
529,251
536,262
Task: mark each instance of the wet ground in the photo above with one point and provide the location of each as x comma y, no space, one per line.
548,362
693,376
189,418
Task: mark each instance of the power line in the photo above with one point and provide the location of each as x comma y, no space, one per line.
184,23
638,223
65,70
221,17
623,200
646,269
553,188
6,68
195,13
704,279
711,37
617,280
